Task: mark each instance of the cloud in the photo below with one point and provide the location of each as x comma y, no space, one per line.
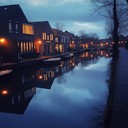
75,14
69,1
56,2
37,2
88,25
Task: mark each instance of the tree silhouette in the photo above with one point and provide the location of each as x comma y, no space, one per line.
115,11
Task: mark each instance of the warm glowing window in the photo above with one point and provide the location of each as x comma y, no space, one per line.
21,47
27,46
31,46
44,36
28,29
24,47
61,48
51,37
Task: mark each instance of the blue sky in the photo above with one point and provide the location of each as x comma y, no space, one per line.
76,15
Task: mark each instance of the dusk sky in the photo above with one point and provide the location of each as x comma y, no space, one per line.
76,15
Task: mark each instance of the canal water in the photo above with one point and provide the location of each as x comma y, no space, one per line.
72,94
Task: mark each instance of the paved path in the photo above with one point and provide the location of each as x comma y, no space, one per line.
119,118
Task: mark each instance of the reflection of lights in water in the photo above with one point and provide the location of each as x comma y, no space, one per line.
91,55
4,92
101,53
73,64
83,56
86,54
106,55
40,77
61,64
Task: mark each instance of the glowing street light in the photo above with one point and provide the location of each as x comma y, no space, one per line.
39,42
4,92
2,40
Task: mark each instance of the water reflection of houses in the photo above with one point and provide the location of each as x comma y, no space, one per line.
16,94
45,77
16,34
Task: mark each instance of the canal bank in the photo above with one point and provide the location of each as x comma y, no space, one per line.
35,61
117,109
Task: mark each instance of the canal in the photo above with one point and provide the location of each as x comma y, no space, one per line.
72,94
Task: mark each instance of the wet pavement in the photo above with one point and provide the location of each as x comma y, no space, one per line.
119,118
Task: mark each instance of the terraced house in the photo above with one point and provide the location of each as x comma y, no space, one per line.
43,38
61,41
16,35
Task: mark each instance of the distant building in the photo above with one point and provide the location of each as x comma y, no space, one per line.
16,34
61,41
73,43
43,38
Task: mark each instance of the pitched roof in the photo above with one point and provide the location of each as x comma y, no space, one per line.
12,12
56,32
42,26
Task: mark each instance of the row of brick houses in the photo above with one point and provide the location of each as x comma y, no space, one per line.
22,39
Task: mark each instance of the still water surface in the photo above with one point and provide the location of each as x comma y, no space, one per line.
70,95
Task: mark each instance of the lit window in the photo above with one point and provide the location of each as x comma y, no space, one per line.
47,37
44,36
21,47
51,37
27,46
31,46
24,47
28,29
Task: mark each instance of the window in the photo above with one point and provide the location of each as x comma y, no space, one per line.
31,46
18,44
47,37
24,47
27,47
28,29
61,39
10,26
21,47
44,36
16,25
51,37
56,39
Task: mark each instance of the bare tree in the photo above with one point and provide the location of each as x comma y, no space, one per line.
115,12
60,26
